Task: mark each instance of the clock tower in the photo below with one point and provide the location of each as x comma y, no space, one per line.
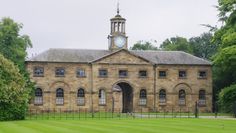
117,38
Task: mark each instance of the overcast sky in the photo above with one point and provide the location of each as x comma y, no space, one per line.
86,23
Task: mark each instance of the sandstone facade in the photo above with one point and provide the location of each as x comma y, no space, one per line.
120,80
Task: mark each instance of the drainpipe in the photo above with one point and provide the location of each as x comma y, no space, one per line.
91,88
155,79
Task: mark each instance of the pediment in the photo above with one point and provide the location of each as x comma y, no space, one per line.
122,56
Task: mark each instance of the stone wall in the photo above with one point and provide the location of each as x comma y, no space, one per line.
92,83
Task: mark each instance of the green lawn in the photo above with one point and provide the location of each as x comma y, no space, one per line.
161,125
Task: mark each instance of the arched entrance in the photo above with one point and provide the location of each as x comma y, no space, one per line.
124,91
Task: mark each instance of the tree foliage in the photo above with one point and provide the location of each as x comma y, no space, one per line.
225,38
202,45
13,96
144,45
177,44
224,68
13,47
227,98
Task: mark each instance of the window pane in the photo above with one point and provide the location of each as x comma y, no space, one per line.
162,73
123,73
182,74
38,71
102,73
38,100
80,101
80,93
60,72
202,74
162,96
182,97
142,101
143,73
102,97
81,73
59,100
38,92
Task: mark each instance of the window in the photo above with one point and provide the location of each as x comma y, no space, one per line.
60,72
38,71
202,98
123,73
162,96
59,96
80,72
142,73
143,97
102,97
182,96
102,73
162,74
202,74
38,99
182,74
80,97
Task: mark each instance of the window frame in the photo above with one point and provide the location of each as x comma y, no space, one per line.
202,77
81,97
60,98
38,75
182,100
140,76
102,76
159,72
161,99
184,77
80,76
143,97
38,99
101,97
56,75
123,76
202,98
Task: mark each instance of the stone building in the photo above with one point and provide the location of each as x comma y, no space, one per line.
119,79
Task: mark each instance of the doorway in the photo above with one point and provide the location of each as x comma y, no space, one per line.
127,97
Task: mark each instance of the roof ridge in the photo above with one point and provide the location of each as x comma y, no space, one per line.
76,49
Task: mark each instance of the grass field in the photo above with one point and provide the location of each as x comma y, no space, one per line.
161,125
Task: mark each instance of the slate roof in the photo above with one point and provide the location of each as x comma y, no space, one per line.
88,56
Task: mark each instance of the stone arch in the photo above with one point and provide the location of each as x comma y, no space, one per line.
124,81
60,84
122,96
184,86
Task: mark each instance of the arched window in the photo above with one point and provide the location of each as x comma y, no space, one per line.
143,97
162,96
102,97
202,97
38,99
80,96
59,96
182,96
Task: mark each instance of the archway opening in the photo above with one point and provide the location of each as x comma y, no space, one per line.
127,97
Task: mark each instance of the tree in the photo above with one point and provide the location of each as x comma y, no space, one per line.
13,96
177,44
227,98
224,68
225,37
13,47
203,46
144,45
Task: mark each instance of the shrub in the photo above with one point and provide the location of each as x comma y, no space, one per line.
227,98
